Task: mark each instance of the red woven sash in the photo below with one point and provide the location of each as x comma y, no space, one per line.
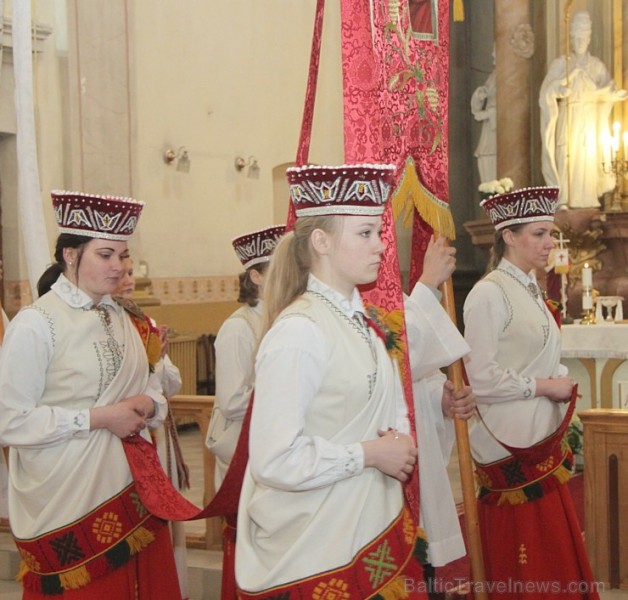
96,543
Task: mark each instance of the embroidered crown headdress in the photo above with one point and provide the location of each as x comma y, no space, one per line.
342,190
91,215
525,205
256,247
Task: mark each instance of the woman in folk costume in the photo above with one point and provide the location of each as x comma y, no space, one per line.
165,435
236,344
322,509
530,533
75,380
435,342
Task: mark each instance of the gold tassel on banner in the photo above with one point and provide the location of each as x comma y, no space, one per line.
458,10
411,193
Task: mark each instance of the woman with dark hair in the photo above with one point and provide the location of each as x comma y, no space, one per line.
75,381
530,532
57,268
236,344
322,506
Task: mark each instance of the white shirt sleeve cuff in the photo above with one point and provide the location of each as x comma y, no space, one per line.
80,423
352,459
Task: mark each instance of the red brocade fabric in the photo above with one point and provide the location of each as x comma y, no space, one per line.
163,500
395,93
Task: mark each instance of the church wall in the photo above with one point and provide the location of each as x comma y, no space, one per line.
221,79
224,79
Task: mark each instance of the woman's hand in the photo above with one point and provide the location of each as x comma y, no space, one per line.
557,389
439,262
125,418
394,454
458,404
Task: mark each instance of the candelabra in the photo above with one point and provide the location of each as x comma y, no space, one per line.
617,167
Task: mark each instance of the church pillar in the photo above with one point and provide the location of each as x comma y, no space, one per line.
514,46
100,95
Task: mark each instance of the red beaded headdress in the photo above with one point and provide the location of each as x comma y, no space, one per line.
342,190
108,217
256,247
526,205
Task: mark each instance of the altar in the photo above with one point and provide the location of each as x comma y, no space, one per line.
597,358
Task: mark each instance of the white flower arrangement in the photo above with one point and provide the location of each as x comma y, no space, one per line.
497,186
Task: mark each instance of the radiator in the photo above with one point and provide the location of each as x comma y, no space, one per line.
182,352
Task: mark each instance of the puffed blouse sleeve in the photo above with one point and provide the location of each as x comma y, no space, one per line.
290,365
485,316
24,358
235,355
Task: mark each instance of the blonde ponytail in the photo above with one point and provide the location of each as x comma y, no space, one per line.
290,265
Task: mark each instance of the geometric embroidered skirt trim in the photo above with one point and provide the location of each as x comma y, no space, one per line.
104,539
387,568
514,481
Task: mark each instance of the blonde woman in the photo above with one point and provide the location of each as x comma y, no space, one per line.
329,440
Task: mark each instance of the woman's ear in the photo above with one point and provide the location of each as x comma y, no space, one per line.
508,237
69,256
321,241
256,277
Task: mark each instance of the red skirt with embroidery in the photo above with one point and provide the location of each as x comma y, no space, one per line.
149,575
535,550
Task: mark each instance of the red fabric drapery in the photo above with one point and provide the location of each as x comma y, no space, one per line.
395,96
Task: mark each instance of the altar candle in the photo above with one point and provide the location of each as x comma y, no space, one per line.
616,128
587,277
587,302
625,138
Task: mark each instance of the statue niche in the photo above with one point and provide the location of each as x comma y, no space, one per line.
576,98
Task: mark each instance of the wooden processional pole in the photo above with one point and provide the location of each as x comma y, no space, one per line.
465,463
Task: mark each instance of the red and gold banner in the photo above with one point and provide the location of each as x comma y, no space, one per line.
395,94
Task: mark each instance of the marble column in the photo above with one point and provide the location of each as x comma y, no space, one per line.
100,94
514,47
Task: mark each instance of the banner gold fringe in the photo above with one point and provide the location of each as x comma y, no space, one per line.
458,10
411,193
